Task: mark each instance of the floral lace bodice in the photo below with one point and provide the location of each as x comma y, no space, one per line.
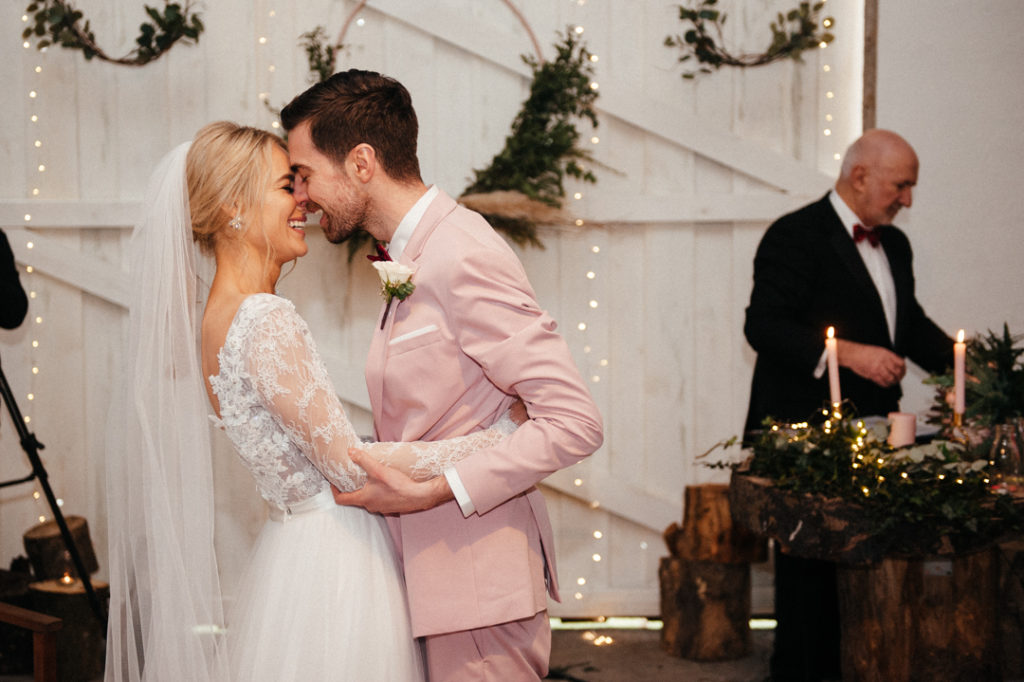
279,409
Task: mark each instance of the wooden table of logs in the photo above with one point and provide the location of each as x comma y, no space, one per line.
923,619
705,582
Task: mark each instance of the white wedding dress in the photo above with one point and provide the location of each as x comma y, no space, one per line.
322,597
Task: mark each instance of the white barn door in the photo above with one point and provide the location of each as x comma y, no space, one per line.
649,292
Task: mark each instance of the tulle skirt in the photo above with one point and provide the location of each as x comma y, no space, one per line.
323,599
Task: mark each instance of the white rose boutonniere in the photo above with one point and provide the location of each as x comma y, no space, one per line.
396,282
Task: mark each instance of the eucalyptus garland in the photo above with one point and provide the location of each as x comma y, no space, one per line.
941,495
923,499
543,148
57,22
792,33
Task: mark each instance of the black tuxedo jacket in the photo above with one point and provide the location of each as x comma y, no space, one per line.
808,275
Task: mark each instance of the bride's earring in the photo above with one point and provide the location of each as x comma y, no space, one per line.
236,222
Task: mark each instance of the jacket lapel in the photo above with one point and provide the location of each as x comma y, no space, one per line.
902,280
438,209
849,258
376,362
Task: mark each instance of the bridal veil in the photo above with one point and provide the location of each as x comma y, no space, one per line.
166,617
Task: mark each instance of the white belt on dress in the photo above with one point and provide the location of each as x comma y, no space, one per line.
322,500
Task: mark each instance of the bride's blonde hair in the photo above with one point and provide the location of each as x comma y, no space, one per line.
228,165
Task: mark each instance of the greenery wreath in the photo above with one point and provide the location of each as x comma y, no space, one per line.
57,22
700,41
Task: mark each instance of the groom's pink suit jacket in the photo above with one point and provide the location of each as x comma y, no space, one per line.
449,361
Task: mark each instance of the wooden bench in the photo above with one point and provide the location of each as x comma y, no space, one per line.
44,638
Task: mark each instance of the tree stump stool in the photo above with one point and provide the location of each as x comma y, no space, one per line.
49,555
705,583
1011,611
81,643
921,620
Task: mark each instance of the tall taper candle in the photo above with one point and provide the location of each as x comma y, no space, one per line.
831,350
959,354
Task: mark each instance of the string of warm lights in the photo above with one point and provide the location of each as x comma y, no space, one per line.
595,361
266,26
35,190
874,466
830,104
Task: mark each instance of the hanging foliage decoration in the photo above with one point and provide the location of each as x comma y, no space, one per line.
320,54
523,186
792,33
542,149
57,22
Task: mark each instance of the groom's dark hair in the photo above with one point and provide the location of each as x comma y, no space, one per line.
352,107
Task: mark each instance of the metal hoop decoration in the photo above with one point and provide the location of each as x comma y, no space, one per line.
507,3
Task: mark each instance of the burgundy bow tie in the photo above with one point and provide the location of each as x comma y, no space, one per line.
382,253
860,234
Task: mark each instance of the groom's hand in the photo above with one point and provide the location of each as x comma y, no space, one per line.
389,491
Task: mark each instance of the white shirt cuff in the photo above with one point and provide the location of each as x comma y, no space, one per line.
459,490
819,371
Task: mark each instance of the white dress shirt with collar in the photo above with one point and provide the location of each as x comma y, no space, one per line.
877,264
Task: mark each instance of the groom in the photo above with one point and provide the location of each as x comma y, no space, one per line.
449,360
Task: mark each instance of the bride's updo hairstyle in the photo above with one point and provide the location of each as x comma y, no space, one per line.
227,165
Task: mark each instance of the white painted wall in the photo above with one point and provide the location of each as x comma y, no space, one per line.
950,80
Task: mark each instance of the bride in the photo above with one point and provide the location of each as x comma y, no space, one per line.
322,596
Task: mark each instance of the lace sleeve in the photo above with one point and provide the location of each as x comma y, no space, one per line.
289,376
424,460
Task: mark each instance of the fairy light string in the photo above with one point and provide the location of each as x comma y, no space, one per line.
265,27
36,189
830,104
595,361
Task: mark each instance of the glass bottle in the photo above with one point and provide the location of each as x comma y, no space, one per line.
1006,455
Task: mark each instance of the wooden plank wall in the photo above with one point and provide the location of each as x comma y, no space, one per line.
690,173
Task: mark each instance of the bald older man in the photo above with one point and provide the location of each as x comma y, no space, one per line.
836,262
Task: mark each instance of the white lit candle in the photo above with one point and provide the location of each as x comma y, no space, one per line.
959,354
831,351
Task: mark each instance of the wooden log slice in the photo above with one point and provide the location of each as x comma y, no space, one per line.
1011,609
708,532
921,620
705,609
807,526
49,555
81,643
828,528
